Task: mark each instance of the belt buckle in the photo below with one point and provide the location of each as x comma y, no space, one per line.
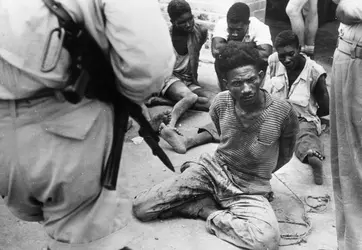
353,50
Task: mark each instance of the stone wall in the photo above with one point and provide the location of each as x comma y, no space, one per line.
208,12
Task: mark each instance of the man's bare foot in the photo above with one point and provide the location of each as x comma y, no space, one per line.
315,161
163,117
173,137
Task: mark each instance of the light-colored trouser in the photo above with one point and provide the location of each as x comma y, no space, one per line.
247,220
51,158
346,143
307,139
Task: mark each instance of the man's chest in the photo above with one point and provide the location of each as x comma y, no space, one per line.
180,44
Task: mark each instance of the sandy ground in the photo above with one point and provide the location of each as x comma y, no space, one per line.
293,184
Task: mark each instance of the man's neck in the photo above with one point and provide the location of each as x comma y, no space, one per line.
178,32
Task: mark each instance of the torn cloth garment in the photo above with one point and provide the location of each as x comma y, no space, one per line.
247,219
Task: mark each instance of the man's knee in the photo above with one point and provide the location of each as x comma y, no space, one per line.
142,208
267,239
178,91
258,235
192,97
294,8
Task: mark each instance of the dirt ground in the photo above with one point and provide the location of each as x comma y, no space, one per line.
295,191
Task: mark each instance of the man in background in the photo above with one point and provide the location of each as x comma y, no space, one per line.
305,26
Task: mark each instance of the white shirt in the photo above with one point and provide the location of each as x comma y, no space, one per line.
258,31
132,32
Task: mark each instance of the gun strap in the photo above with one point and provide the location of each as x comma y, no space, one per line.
64,19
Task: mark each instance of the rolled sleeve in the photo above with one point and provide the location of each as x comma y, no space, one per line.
349,12
260,32
141,50
220,29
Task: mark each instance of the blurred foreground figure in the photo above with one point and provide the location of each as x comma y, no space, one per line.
53,152
346,125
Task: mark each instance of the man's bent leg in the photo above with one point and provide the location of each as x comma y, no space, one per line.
309,149
172,193
249,223
185,98
205,134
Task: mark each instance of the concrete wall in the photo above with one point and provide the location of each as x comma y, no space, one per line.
208,12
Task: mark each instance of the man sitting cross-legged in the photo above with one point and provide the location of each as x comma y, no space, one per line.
295,77
182,87
229,189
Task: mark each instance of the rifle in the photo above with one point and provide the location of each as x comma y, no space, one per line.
92,76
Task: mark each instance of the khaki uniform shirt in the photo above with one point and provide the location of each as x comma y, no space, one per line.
133,33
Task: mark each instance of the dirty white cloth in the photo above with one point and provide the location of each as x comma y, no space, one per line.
141,55
346,126
246,220
299,94
258,32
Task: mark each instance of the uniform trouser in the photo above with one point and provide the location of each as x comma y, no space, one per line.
307,139
247,220
51,158
346,145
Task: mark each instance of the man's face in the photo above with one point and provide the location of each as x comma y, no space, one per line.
185,22
244,84
237,31
289,56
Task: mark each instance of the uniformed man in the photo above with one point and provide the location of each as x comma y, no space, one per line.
52,152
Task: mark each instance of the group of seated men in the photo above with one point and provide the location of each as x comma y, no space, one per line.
269,107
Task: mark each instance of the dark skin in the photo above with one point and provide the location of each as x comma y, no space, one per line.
294,63
181,27
237,32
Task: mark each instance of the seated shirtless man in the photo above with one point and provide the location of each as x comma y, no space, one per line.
297,78
229,189
182,86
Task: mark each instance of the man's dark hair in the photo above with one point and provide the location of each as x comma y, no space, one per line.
238,12
177,8
285,38
237,54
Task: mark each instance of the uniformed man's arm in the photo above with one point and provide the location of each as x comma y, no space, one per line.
141,50
349,12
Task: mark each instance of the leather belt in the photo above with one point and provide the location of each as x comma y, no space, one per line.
349,48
